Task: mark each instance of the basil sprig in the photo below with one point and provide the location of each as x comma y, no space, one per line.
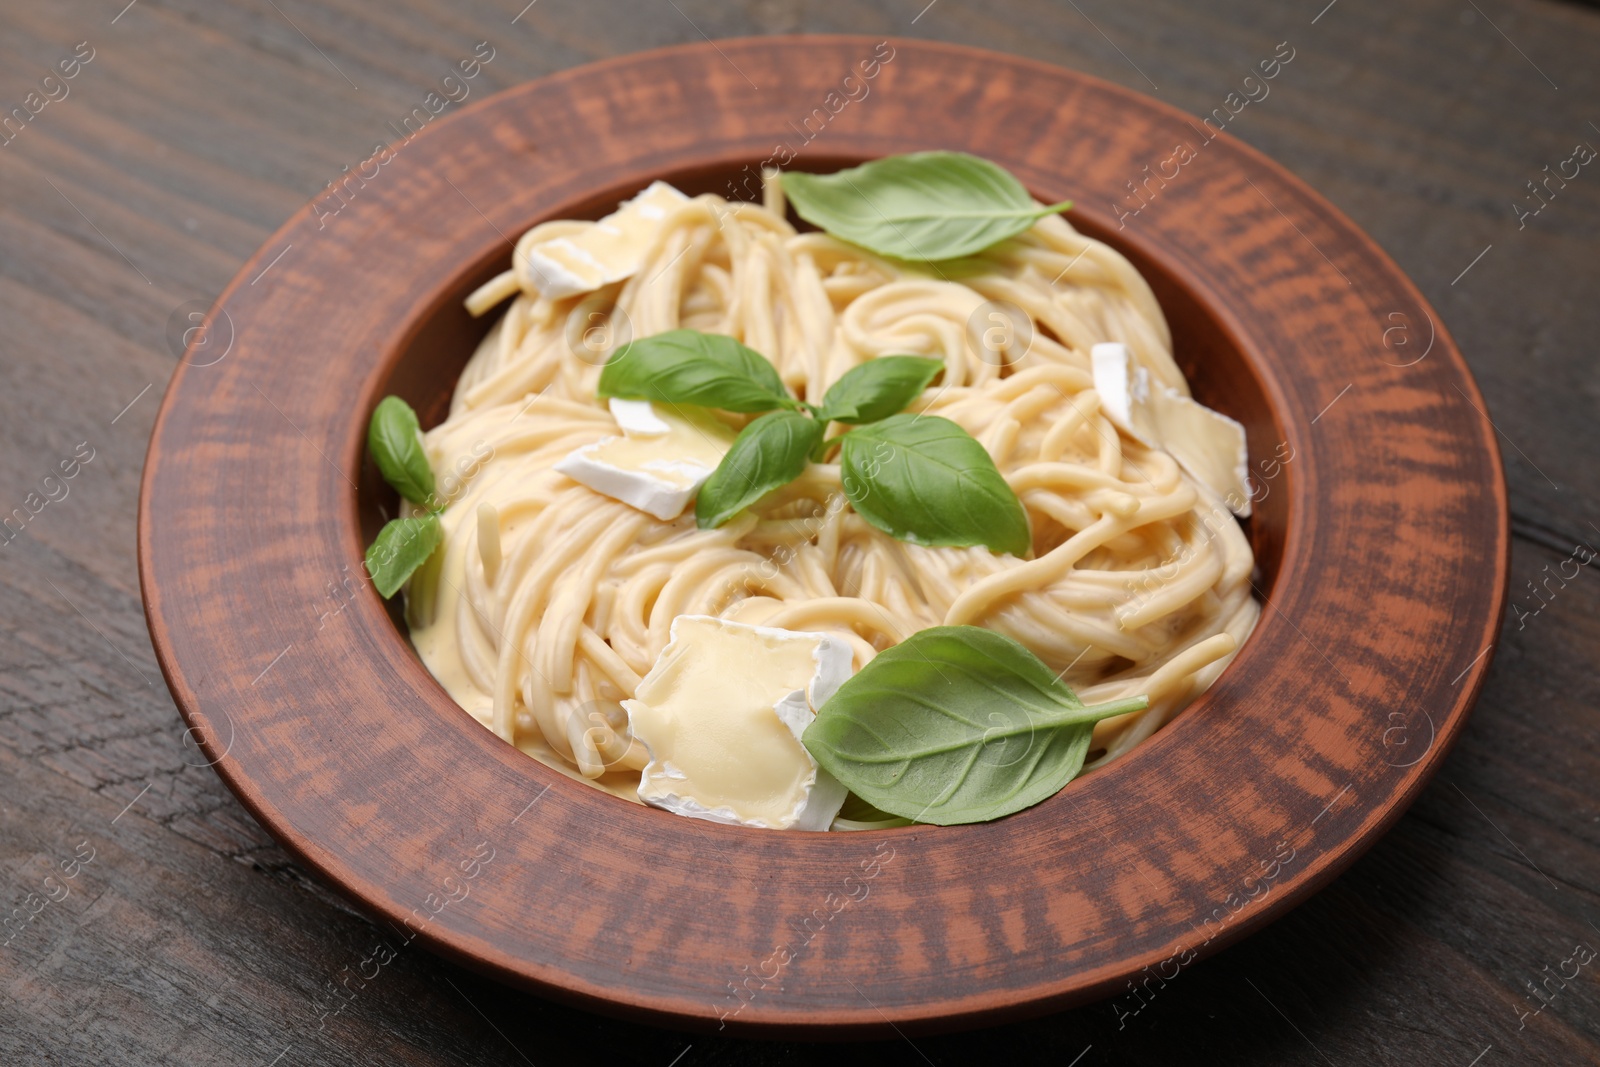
956,724
922,206
394,439
919,478
923,479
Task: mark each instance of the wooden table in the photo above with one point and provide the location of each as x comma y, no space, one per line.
189,130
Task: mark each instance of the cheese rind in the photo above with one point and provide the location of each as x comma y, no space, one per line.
637,418
722,712
1209,445
658,464
606,251
1124,388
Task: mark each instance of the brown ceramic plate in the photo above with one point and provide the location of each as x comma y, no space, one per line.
1382,543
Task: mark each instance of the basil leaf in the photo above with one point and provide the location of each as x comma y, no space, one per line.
708,370
857,810
768,453
956,724
396,447
402,546
927,205
877,389
924,479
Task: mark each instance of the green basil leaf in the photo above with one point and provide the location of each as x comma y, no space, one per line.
927,205
768,453
956,724
878,388
396,447
402,546
923,479
708,370
857,810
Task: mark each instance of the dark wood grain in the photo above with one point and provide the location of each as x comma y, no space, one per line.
195,131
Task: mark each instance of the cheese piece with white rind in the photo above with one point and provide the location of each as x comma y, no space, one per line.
721,713
606,251
1124,388
656,472
1209,445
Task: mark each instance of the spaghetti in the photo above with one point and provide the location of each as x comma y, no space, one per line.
549,602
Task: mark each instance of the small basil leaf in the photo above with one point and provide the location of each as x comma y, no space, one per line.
708,370
956,724
396,447
402,546
923,206
768,453
923,479
877,389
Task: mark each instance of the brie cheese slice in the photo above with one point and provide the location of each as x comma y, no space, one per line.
1210,446
1207,444
660,461
606,251
721,714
